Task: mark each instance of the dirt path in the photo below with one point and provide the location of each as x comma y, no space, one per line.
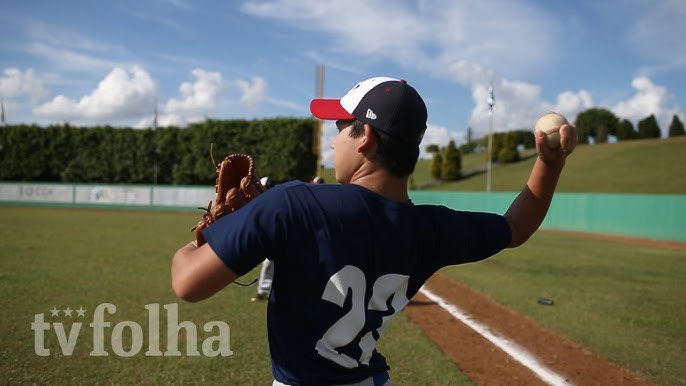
678,245
486,364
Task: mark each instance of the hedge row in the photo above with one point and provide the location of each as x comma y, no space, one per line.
282,148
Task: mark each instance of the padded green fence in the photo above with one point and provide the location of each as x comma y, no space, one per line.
637,215
660,217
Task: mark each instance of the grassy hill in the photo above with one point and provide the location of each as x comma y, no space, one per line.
644,166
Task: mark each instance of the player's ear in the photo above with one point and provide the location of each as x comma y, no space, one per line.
368,140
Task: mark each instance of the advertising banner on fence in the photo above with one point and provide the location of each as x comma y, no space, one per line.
46,193
182,197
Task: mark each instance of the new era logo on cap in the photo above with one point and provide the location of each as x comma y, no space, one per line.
388,104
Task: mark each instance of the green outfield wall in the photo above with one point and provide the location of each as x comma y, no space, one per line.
637,215
660,217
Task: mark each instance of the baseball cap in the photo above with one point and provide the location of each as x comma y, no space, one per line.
387,104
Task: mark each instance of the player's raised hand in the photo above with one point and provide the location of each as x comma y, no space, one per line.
555,139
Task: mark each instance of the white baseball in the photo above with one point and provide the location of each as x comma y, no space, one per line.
550,124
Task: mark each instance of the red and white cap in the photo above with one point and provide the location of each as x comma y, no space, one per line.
387,104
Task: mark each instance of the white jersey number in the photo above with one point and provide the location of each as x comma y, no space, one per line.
341,333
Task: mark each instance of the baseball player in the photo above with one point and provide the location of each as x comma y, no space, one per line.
348,257
264,284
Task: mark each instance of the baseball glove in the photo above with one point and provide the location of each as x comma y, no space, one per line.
237,184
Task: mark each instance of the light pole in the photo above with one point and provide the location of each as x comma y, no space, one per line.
154,146
317,143
491,101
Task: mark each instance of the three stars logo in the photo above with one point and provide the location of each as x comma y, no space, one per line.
67,312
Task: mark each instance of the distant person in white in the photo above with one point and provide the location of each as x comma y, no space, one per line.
264,285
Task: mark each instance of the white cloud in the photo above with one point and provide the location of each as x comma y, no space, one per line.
180,4
128,97
425,35
56,35
120,95
469,74
439,135
72,60
64,48
510,37
253,92
648,99
658,35
17,84
198,99
359,28
286,103
516,107
517,104
168,119
472,41
571,103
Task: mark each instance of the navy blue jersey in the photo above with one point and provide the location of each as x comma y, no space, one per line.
346,261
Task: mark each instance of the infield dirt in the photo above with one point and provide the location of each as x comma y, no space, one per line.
486,364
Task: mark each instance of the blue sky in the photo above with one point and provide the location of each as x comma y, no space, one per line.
96,62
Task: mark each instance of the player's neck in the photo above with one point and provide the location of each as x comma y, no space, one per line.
384,184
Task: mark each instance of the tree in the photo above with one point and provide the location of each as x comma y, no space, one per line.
433,148
625,131
436,160
452,163
470,145
508,152
496,145
21,158
648,128
436,165
526,138
589,122
468,148
676,128
59,150
601,136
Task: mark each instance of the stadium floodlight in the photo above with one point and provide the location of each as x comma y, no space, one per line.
491,101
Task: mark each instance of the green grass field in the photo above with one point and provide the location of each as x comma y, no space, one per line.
621,301
644,166
624,302
81,258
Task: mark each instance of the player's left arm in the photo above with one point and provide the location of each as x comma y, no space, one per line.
528,210
198,273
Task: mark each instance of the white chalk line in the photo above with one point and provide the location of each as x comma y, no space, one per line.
511,348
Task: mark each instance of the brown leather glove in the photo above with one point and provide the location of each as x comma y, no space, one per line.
237,184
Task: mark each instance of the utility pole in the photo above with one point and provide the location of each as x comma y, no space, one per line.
317,142
491,101
154,145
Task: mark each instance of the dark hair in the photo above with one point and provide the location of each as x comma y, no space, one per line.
397,156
